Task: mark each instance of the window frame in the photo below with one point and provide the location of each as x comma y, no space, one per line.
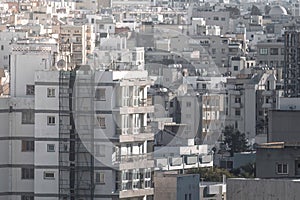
100,178
27,173
281,166
30,89
28,113
49,178
27,146
101,122
49,149
50,92
100,94
263,51
51,120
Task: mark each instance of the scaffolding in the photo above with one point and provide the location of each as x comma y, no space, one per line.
76,135
292,63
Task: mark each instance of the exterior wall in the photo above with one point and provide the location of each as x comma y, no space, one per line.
284,126
173,186
272,59
268,189
268,158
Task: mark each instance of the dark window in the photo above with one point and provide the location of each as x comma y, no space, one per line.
27,117
29,89
27,146
236,68
100,94
50,120
274,51
282,168
237,112
237,100
27,197
50,147
49,175
27,173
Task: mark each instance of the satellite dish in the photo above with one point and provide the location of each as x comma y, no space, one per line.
61,64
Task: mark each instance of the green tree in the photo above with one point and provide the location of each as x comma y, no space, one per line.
255,10
212,174
235,140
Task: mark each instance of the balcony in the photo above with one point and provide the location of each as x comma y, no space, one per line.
267,105
136,193
138,109
136,134
267,93
235,92
236,105
131,161
183,162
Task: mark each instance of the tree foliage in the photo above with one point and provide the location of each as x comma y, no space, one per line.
212,174
235,140
255,10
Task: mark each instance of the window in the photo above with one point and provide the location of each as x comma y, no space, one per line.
216,18
213,51
27,197
100,150
237,112
101,122
27,173
49,175
50,147
222,18
100,178
50,120
237,100
274,51
27,145
263,51
282,168
50,92
236,68
188,104
27,117
29,89
100,94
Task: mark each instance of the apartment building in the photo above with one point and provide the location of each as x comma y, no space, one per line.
270,52
69,135
248,101
79,41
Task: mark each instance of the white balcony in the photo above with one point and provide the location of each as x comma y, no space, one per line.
235,92
267,105
136,137
267,93
236,105
136,193
131,161
138,109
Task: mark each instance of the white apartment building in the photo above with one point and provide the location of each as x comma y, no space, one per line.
6,38
249,99
73,134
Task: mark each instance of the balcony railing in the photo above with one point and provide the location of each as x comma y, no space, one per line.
135,130
134,158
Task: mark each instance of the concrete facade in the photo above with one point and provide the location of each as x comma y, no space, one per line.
267,189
